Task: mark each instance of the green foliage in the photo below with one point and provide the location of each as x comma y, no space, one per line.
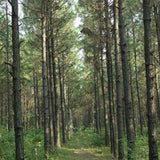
33,142
6,145
83,143
142,147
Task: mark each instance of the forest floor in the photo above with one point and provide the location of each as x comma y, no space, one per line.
84,145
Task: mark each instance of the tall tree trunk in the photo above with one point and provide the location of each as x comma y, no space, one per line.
102,74
64,93
137,84
150,82
104,101
132,93
96,90
110,81
118,85
126,83
54,91
8,75
35,100
70,117
51,93
49,80
98,102
44,77
62,101
38,103
56,108
16,84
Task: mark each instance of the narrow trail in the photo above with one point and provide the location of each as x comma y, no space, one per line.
85,145
86,154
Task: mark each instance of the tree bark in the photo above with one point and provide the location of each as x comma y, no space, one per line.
38,103
137,84
110,81
150,82
126,84
56,108
118,85
132,93
70,117
96,90
44,77
104,101
62,101
16,84
35,100
101,46
8,74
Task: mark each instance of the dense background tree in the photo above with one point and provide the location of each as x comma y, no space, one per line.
81,72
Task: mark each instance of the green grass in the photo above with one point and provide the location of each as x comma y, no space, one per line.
84,145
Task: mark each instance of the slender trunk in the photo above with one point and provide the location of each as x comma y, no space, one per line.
102,75
104,101
98,103
56,108
49,80
8,76
62,101
137,84
70,118
50,84
96,113
51,93
118,85
110,82
44,77
150,82
38,103
54,92
132,93
35,100
126,83
64,93
16,84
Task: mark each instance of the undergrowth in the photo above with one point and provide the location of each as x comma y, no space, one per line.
84,140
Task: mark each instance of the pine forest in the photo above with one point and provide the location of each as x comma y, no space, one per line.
79,79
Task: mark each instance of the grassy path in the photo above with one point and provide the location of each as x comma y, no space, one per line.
84,145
